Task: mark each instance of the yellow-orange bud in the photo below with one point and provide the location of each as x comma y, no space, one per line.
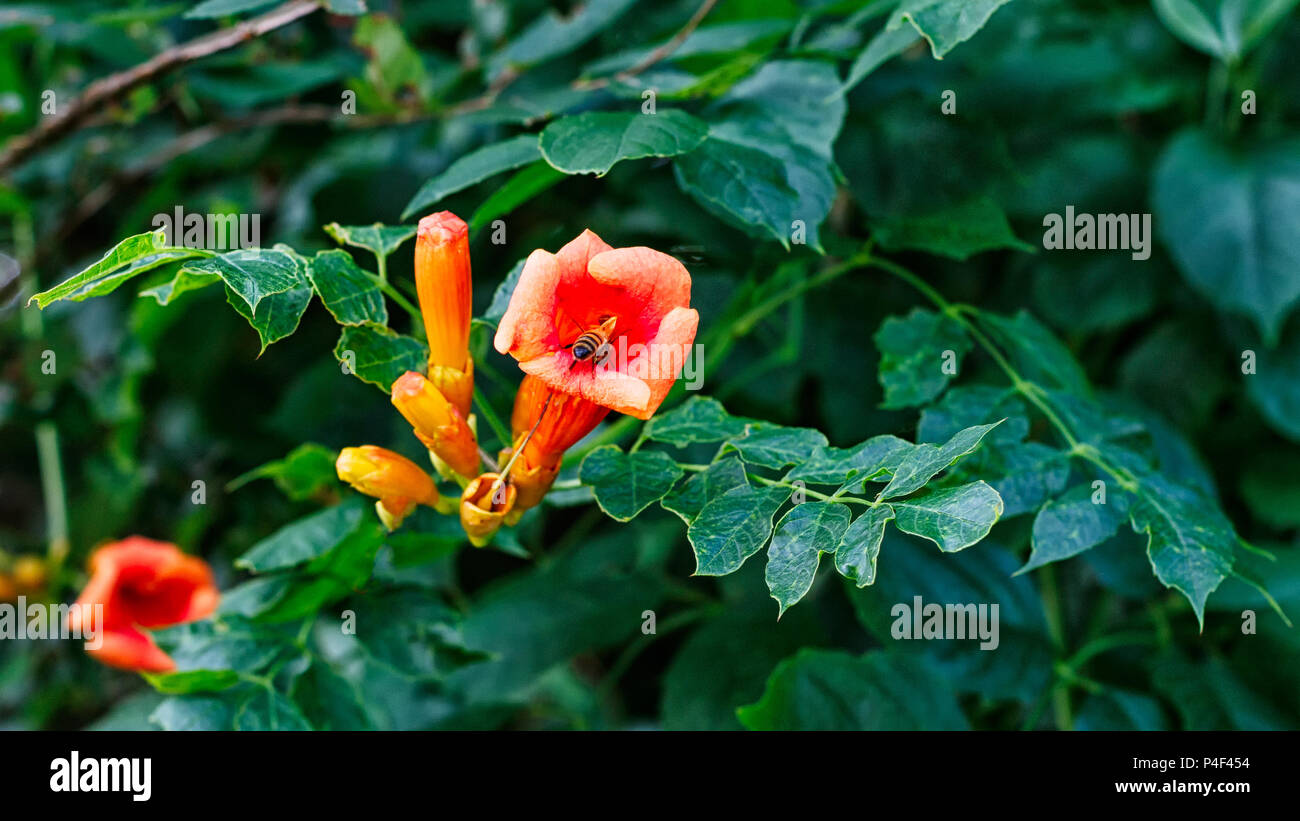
484,504
437,423
443,285
396,481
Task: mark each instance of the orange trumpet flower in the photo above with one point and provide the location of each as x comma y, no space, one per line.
443,286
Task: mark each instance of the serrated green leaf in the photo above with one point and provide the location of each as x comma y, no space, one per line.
277,315
698,419
968,405
689,498
627,483
305,539
593,142
832,690
855,557
873,460
381,355
925,461
802,535
953,518
1231,220
254,273
475,167
919,355
1025,474
183,282
1069,525
129,258
1189,541
776,447
732,527
945,23
379,239
347,292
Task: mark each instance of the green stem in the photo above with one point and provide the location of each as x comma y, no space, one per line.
485,410
53,490
395,295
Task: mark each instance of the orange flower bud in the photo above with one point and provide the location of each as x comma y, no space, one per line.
8,591
141,583
396,481
442,283
437,423
484,504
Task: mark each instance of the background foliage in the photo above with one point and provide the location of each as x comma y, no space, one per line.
920,237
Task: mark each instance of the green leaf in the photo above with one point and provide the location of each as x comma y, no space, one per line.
341,570
302,474
381,355
394,66
501,296
776,447
743,186
884,46
1225,29
347,292
698,419
1189,541
182,282
925,461
379,239
855,557
194,713
222,8
872,460
732,527
593,142
1025,474
1210,695
968,405
552,35
268,710
277,315
192,681
254,273
919,355
305,539
1274,388
235,645
832,690
945,23
627,483
475,167
129,258
516,191
953,518
689,498
1036,352
957,232
1069,525
1231,220
329,701
802,535
413,633
255,596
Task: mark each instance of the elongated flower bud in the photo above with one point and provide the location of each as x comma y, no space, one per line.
437,423
398,483
484,505
443,285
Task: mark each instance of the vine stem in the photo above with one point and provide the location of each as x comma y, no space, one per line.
392,293
836,497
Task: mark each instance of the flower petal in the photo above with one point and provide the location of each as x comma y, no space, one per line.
527,329
659,282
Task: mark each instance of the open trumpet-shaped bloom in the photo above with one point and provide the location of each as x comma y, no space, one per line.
141,583
443,286
586,283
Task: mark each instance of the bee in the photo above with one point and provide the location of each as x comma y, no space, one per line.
593,344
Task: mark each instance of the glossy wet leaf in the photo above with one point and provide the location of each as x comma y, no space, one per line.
953,518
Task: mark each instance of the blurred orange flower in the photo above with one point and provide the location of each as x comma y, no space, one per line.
142,583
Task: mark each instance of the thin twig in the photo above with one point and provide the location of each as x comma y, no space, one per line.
661,53
114,86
